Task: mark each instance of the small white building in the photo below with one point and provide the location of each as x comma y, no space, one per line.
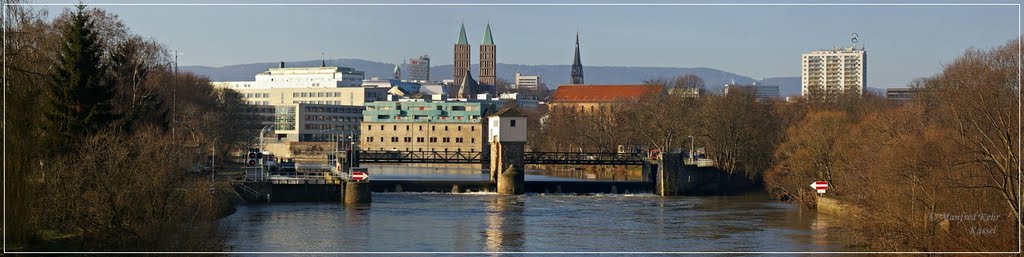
507,125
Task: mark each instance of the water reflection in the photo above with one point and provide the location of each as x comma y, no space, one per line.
535,222
505,224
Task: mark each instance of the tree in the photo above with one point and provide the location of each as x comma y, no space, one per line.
78,91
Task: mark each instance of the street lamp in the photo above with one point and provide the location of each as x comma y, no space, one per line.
691,146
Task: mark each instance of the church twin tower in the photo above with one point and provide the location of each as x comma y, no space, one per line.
464,80
487,59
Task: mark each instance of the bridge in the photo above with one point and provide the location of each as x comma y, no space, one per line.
365,156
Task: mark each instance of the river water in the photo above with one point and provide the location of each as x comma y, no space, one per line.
486,222
431,222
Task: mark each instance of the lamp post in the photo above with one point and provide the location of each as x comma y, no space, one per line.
691,147
262,170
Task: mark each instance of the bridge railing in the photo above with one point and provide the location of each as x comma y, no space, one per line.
583,158
372,156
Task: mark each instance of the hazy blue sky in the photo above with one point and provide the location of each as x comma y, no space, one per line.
903,42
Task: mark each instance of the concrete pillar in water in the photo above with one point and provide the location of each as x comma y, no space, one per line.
669,172
357,193
511,182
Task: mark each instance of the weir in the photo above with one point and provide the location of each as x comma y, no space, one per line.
666,174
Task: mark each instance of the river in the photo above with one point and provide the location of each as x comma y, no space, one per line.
481,222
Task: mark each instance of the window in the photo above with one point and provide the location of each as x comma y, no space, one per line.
432,128
407,139
433,139
407,127
445,128
513,123
472,140
471,128
369,139
421,127
458,140
381,127
419,140
394,139
446,140
460,128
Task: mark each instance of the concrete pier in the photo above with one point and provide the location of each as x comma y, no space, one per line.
512,181
357,193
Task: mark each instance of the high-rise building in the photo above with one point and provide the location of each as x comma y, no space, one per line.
461,64
577,66
832,72
487,60
419,68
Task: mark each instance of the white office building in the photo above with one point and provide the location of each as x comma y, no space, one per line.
836,71
301,77
527,82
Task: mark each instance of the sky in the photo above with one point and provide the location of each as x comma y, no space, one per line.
760,41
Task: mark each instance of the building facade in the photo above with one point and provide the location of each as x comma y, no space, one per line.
309,122
762,92
527,82
286,96
419,69
424,126
460,66
831,72
900,94
488,63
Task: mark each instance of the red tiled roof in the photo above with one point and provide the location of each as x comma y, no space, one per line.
602,93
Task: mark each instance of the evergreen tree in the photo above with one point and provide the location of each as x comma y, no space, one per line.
78,90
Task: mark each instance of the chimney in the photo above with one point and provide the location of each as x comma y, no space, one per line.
281,65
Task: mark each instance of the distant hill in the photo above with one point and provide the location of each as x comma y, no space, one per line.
552,75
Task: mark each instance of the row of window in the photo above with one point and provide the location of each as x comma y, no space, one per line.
431,149
330,126
331,109
332,118
432,127
423,117
316,94
257,95
423,139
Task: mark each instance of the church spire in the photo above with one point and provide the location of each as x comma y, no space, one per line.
576,77
462,36
487,36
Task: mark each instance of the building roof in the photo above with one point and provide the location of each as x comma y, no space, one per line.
510,111
602,93
487,36
462,36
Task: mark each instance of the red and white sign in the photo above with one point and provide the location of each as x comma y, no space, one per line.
820,185
360,175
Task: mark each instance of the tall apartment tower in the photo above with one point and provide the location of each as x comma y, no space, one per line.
419,68
833,72
487,60
576,77
461,64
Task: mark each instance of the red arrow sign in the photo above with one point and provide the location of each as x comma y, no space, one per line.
820,185
360,176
